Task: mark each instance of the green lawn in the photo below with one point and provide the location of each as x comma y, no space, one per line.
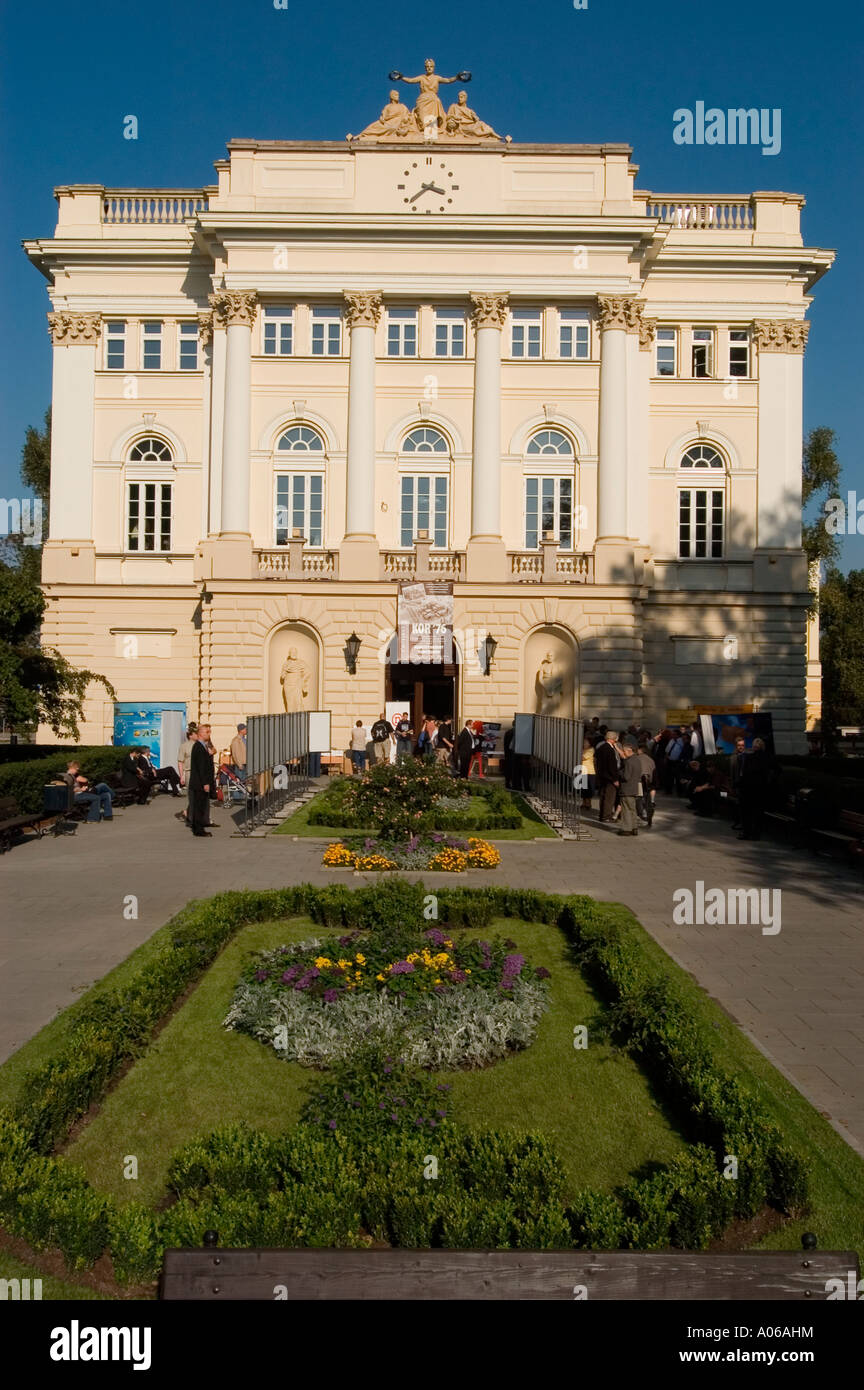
595,1103
532,827
52,1289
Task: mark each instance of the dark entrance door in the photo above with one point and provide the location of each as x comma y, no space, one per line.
424,689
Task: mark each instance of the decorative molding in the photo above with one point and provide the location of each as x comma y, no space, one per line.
647,334
621,311
550,410
704,428
74,329
490,310
364,308
780,335
299,409
205,326
234,306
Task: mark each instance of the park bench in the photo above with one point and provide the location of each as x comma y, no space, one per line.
123,796
220,1276
848,833
13,821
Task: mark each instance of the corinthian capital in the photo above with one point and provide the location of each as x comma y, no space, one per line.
363,308
620,311
490,310
233,306
780,335
66,328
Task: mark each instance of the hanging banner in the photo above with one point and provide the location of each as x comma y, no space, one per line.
424,622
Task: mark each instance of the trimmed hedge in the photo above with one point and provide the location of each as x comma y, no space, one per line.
25,780
252,1187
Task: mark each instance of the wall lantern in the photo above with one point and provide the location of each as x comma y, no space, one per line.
351,650
486,653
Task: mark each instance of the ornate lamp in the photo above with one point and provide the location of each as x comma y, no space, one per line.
487,651
351,650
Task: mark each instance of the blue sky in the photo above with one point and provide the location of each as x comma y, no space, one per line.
197,75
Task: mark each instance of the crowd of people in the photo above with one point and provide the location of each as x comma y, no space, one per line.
625,771
434,739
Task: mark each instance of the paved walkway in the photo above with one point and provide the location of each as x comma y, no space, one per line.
799,994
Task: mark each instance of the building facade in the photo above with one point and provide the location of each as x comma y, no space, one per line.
426,354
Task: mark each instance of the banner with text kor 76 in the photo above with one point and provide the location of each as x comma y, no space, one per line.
424,622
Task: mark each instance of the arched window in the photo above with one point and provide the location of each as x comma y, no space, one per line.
424,497
425,441
299,506
550,442
149,502
150,450
702,456
549,488
300,439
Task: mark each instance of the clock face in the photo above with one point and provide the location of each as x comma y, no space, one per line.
427,185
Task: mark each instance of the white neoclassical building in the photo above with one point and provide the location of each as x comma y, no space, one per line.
427,354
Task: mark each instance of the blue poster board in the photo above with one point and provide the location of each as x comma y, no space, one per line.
142,723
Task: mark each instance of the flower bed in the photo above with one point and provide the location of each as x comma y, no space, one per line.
434,1002
412,797
443,853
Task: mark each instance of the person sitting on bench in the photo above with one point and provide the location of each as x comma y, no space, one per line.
99,798
135,777
703,792
159,774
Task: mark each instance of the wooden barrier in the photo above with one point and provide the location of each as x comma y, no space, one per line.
224,1275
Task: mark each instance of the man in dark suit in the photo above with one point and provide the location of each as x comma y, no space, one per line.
465,745
607,770
134,777
201,782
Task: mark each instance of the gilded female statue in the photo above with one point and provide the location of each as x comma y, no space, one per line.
428,110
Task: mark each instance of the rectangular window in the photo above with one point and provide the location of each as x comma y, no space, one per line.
115,346
548,507
188,347
326,332
702,363
424,508
449,333
278,332
300,506
151,358
525,333
700,523
574,333
401,332
667,352
739,352
148,517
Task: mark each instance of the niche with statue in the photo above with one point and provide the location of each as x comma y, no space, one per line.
293,670
550,666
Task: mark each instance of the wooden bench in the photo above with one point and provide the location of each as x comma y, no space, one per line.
848,833
221,1276
13,821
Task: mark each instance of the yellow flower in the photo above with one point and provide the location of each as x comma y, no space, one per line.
360,959
322,962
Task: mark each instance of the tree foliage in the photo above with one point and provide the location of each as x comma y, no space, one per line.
820,480
37,684
842,648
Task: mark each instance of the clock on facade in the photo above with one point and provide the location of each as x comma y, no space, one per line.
427,185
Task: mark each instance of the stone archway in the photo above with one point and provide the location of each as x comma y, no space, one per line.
293,669
550,671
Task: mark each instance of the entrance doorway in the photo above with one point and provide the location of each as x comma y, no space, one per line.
428,690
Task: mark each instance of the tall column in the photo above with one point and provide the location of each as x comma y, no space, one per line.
781,347
359,553
70,551
619,316
486,557
229,554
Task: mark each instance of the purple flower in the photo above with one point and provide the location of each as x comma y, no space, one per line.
442,1113
382,1105
418,1122
432,1124
344,940
261,974
458,976
346,1095
394,1116
289,975
402,967
542,973
435,935
330,995
332,1124
513,965
387,1070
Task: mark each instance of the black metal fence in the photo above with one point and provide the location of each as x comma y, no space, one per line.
277,764
553,772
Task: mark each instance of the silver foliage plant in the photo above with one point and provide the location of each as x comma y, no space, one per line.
464,1027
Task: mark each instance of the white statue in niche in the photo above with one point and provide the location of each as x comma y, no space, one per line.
550,686
295,679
